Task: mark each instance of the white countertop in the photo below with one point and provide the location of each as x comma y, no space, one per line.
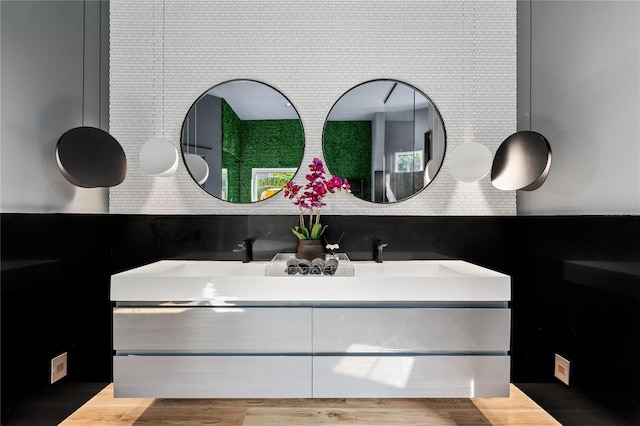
231,282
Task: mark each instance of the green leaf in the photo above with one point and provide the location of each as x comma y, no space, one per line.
317,230
300,232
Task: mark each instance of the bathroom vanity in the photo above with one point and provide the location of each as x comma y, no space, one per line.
216,329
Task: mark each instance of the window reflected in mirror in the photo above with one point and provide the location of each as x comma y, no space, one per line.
409,162
266,182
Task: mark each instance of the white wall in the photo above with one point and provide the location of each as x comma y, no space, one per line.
585,99
41,98
164,54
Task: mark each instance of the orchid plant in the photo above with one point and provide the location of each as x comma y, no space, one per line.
310,197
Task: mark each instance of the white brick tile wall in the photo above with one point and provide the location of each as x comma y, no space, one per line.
165,54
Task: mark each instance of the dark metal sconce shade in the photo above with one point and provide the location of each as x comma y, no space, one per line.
522,162
90,158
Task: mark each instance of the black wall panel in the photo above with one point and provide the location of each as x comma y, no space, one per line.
55,298
56,268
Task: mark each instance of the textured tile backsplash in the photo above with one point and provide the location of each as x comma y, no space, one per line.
166,53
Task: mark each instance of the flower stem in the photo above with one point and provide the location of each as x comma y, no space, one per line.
301,218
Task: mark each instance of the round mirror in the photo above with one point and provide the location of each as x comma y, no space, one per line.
249,135
387,138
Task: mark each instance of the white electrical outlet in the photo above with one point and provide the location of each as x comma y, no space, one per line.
58,367
561,370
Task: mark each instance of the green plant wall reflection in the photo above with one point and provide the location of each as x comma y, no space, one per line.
252,144
353,164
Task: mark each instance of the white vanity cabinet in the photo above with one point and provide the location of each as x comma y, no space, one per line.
206,335
212,351
410,352
210,329
212,376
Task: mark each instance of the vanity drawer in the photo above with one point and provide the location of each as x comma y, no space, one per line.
212,330
397,330
212,376
423,376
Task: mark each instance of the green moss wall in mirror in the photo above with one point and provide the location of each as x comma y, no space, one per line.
251,137
387,138
355,161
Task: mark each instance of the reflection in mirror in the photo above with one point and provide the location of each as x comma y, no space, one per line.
387,138
250,136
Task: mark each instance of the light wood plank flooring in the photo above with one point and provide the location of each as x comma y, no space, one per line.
104,409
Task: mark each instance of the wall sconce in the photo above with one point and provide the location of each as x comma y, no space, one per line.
90,158
470,162
158,157
522,162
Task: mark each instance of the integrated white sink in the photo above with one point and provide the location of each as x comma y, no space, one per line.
421,268
225,282
198,268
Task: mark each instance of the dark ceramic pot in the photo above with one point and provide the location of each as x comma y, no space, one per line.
310,249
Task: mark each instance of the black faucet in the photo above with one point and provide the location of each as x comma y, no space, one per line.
380,246
246,250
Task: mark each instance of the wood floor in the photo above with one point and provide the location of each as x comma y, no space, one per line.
104,409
